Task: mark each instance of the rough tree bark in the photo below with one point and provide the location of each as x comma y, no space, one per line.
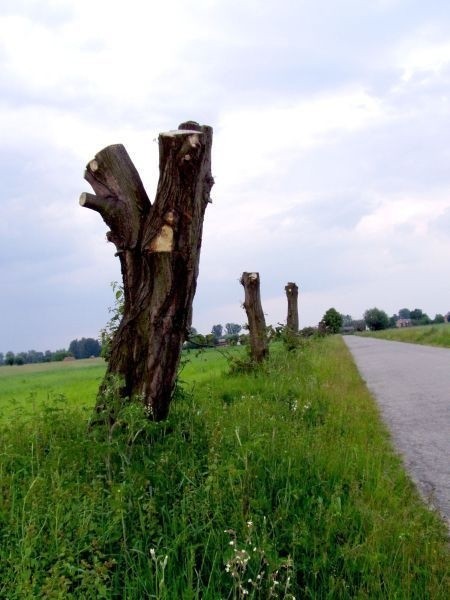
292,299
159,250
259,347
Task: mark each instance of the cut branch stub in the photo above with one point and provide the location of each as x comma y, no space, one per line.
259,347
159,250
292,300
120,196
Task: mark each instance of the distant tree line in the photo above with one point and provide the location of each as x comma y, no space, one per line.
84,348
375,319
219,335
32,356
332,322
416,316
230,329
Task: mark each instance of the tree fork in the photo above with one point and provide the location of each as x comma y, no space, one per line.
291,290
259,347
159,251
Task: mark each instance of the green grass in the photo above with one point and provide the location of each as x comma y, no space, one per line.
204,365
429,335
284,476
26,388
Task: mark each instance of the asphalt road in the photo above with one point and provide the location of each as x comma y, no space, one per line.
411,384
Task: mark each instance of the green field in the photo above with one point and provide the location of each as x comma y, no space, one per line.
24,388
280,483
429,335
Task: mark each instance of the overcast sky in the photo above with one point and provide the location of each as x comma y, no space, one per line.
331,152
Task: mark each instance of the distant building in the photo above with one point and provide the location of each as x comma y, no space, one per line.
447,317
347,329
403,323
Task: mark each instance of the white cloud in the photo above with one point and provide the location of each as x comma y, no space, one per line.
424,60
258,139
403,210
104,50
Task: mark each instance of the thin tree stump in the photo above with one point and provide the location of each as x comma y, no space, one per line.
259,346
291,290
159,251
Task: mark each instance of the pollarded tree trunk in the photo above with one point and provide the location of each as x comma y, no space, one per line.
259,347
292,299
159,250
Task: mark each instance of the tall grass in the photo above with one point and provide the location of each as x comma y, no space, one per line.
277,484
429,335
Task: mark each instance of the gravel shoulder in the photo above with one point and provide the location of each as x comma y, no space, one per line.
411,384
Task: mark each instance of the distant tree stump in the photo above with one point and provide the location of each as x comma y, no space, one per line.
291,290
259,346
159,250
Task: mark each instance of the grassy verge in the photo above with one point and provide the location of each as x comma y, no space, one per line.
429,335
277,484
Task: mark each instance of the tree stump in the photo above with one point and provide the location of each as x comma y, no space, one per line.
158,246
292,313
259,347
